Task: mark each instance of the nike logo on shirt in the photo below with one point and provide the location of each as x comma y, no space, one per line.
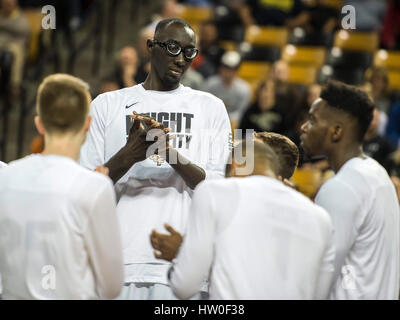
127,107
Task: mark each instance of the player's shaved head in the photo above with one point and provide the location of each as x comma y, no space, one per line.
164,24
265,159
285,149
63,103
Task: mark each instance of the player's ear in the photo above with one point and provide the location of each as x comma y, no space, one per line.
150,45
336,133
39,125
86,126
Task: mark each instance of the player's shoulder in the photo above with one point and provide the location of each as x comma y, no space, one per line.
215,187
95,179
117,96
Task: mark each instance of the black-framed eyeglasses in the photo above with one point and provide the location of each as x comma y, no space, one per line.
174,49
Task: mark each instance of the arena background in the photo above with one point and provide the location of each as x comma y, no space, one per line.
89,35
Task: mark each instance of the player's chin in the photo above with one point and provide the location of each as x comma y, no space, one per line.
307,151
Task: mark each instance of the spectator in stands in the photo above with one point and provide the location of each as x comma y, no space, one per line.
227,86
107,85
14,36
391,27
394,163
299,115
127,67
210,54
193,79
144,61
169,9
263,114
280,75
228,21
393,127
290,97
318,20
271,12
376,146
369,14
378,78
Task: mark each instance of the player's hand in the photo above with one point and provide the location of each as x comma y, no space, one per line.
166,245
160,133
103,170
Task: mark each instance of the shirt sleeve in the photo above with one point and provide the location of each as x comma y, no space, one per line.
92,152
326,272
103,243
195,255
219,143
343,205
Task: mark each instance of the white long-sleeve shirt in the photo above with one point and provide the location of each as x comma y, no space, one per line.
151,195
258,238
362,203
59,233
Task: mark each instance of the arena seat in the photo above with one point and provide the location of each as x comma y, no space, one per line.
266,36
358,41
228,45
301,74
256,53
387,59
314,56
394,80
195,14
350,76
307,181
253,70
337,4
339,58
34,17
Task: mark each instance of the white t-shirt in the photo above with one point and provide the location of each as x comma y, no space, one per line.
362,202
59,234
259,238
150,195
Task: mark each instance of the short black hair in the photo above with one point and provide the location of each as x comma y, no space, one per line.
351,100
163,24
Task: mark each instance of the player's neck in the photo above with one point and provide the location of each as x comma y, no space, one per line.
66,146
154,83
341,155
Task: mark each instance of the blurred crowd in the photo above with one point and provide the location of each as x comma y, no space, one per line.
274,103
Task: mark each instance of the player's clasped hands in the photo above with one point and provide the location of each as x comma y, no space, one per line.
144,132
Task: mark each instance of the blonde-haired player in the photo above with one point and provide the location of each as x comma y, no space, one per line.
59,234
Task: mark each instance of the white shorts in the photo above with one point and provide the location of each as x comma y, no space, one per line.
152,291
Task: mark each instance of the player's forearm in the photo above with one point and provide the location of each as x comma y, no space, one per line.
190,173
120,163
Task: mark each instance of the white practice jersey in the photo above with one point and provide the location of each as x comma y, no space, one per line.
363,205
59,233
259,239
150,194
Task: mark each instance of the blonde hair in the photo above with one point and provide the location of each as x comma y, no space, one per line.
63,103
